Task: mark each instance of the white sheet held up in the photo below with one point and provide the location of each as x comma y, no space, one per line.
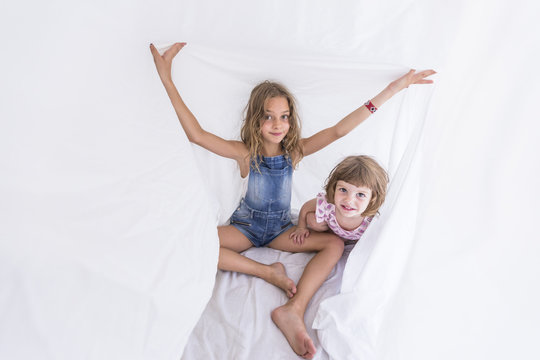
108,243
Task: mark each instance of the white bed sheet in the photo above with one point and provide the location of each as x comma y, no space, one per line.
236,323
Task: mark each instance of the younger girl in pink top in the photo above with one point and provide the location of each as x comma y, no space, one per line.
355,190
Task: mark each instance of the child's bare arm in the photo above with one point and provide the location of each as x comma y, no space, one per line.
301,232
309,206
314,225
195,133
349,122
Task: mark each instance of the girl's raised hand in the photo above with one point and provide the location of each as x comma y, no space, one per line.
412,77
164,62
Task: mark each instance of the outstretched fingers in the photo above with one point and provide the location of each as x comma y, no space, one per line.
411,77
419,78
169,54
173,50
164,62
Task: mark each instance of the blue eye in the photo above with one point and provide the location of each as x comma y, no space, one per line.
361,195
343,190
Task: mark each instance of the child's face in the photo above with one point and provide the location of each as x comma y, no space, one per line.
275,121
351,200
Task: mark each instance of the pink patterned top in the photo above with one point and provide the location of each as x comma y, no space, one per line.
326,212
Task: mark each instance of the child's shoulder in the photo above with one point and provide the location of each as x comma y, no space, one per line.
321,197
323,205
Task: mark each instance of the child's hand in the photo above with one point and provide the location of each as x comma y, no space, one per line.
299,235
164,62
412,77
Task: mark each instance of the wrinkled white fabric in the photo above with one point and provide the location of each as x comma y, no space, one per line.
108,242
375,137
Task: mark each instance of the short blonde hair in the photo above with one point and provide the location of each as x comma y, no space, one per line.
360,170
254,112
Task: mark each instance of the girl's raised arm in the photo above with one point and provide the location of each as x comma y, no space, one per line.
327,136
195,133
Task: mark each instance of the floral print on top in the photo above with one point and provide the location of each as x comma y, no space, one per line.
326,212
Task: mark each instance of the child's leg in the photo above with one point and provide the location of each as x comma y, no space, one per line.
232,241
290,317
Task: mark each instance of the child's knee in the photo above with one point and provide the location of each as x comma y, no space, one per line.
340,244
336,243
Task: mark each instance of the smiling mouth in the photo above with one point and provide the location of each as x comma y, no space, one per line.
347,208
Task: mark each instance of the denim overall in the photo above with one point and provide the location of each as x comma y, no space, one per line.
265,211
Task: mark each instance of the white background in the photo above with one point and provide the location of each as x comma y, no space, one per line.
97,179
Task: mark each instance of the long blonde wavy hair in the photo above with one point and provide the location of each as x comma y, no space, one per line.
254,112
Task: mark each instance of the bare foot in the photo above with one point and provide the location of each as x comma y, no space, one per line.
279,278
292,326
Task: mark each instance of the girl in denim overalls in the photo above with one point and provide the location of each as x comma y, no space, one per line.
270,149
